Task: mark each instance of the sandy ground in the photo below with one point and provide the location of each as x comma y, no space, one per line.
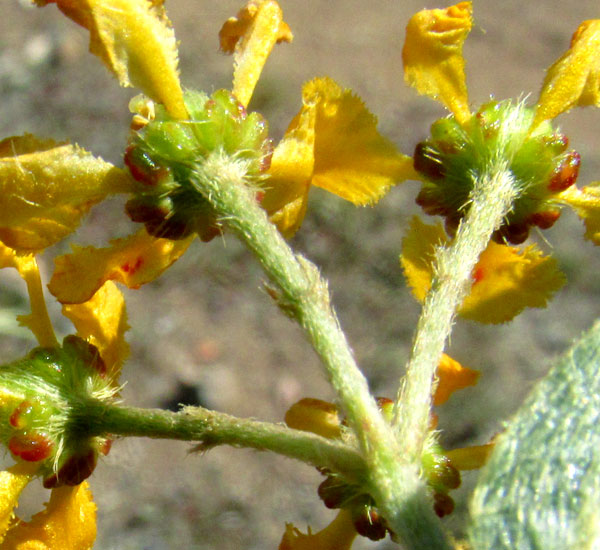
207,326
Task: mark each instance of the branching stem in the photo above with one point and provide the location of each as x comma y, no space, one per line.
491,200
393,481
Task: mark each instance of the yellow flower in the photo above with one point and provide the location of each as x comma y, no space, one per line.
506,279
68,521
332,143
452,376
338,535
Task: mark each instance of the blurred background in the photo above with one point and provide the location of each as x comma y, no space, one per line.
207,333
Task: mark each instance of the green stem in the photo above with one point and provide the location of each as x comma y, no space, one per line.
303,295
211,428
300,292
491,200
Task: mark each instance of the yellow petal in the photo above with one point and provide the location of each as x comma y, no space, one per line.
12,482
38,320
432,55
506,279
586,202
574,79
46,188
338,535
252,34
133,261
352,160
67,523
102,321
470,458
135,41
509,279
452,376
316,416
292,165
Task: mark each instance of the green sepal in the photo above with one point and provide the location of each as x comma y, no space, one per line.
540,489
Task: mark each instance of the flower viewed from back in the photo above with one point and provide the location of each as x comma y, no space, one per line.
47,187
463,146
38,413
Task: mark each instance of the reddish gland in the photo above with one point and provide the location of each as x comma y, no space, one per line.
478,275
369,524
149,173
443,504
75,470
22,410
544,220
31,447
106,446
566,174
133,267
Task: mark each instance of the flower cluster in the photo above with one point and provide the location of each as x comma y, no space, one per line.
507,279
177,138
49,186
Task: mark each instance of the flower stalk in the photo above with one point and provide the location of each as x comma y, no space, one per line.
299,292
212,428
303,295
491,199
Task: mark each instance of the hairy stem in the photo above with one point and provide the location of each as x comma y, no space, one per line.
299,291
211,428
303,295
491,199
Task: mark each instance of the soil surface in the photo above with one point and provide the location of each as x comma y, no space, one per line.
207,333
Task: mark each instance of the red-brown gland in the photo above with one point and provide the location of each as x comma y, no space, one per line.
546,219
20,416
426,163
443,504
368,523
31,447
566,174
76,469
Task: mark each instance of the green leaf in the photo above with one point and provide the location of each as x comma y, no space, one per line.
541,486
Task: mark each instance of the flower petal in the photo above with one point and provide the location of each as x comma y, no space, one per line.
133,261
418,248
67,523
574,79
292,165
135,41
432,55
258,26
316,416
338,535
12,482
452,376
38,321
352,160
506,279
46,188
586,202
470,458
102,321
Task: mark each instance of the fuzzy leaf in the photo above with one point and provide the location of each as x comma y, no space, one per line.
540,487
